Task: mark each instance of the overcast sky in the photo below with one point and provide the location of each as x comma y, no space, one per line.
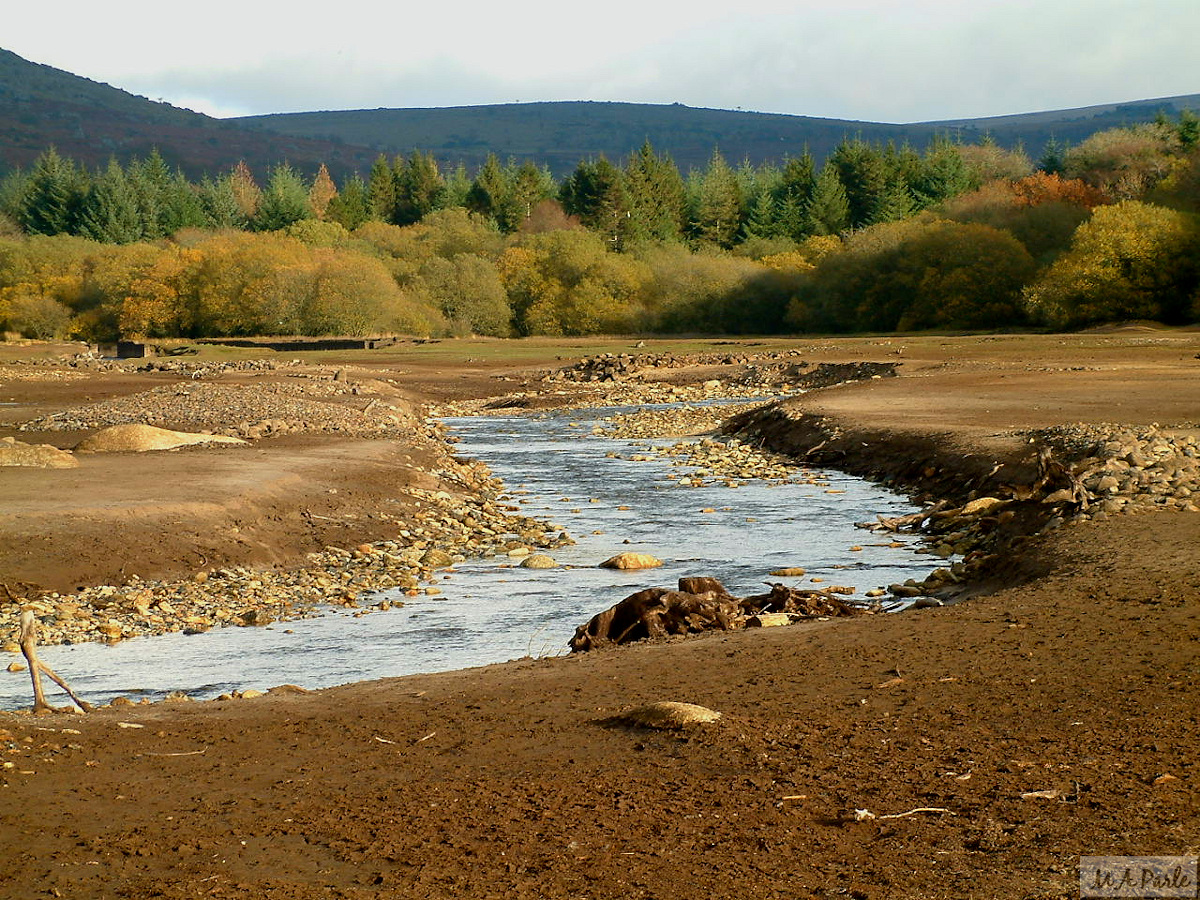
894,61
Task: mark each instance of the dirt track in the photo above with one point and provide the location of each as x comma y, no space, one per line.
1077,688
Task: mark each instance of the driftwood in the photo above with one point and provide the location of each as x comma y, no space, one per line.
700,604
913,521
1053,475
28,641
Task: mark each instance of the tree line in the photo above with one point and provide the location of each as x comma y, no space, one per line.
877,237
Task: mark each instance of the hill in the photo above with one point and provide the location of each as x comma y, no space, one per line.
90,122
560,134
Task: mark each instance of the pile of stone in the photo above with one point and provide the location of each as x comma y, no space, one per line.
676,420
243,411
703,604
730,462
806,376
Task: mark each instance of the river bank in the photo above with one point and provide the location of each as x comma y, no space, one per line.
1051,718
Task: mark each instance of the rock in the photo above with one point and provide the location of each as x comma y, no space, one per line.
143,438
250,694
16,667
982,506
665,714
771,620
631,561
34,456
926,603
436,559
791,572
538,561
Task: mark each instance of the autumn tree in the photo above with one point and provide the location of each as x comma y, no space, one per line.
1131,260
321,193
246,192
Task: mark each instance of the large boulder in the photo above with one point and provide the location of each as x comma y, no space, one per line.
631,561
34,456
141,438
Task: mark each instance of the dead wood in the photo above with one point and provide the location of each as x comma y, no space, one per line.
28,640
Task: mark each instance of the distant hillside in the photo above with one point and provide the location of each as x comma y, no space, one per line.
89,121
561,134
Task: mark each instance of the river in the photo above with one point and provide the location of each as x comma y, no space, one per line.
492,610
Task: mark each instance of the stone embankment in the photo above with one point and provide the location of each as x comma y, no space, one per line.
446,530
978,508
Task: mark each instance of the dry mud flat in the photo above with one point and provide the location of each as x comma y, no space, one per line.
1052,718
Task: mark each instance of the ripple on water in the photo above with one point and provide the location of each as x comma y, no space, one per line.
492,610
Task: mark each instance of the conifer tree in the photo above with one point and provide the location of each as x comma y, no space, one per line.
1052,158
246,192
655,197
795,190
828,210
321,193
595,193
863,175
219,203
109,212
53,196
349,207
420,188
284,202
489,190
943,174
381,190
719,205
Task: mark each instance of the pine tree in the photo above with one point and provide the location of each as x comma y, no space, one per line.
489,190
896,203
1052,158
863,175
528,186
796,184
219,203
420,188
828,211
655,197
109,212
349,207
718,211
763,221
321,194
943,174
381,190
53,196
284,202
595,193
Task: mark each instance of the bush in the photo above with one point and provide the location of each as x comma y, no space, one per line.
40,318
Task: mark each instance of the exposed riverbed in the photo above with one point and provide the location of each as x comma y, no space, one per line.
611,495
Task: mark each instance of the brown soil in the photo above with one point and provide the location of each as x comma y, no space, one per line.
1076,688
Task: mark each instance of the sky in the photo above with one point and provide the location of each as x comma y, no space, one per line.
869,60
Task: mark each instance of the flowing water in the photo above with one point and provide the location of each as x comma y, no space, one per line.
492,610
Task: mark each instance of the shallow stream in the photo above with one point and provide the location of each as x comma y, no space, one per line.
492,610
